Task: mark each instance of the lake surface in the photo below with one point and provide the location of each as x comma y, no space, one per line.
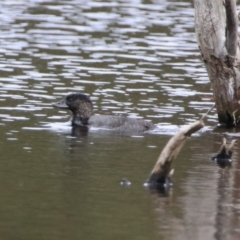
134,58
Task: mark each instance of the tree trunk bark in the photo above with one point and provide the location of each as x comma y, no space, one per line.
216,24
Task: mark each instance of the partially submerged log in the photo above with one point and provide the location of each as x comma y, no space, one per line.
162,172
216,25
224,156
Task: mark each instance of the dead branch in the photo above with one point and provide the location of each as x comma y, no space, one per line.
161,173
223,157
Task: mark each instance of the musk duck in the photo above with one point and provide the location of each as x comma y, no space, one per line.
82,115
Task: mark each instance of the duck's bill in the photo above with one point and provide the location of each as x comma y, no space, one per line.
61,104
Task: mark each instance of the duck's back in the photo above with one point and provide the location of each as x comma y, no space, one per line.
120,123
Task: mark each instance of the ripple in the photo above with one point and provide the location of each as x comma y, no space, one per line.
134,50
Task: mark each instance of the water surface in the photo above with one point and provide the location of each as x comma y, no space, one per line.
134,58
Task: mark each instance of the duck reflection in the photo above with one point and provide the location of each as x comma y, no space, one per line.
78,131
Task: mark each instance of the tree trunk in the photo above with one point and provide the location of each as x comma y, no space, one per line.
216,24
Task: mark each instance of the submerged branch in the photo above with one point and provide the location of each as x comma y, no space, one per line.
162,172
224,155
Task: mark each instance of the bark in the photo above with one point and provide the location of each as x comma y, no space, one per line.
162,172
216,24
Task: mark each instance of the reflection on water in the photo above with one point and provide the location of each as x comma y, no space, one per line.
135,58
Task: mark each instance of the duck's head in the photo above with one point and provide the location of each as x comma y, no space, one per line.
79,104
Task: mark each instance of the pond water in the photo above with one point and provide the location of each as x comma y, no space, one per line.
135,58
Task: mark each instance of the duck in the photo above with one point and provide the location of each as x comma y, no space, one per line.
81,107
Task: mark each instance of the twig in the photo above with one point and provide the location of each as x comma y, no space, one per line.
208,112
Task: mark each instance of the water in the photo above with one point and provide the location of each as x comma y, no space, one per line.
135,58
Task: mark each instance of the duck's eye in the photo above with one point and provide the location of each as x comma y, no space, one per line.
70,99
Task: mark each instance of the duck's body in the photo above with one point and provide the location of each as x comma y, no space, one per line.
120,123
82,110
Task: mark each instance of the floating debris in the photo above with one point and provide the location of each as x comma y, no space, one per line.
125,182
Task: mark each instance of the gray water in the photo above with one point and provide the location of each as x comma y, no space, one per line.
134,58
